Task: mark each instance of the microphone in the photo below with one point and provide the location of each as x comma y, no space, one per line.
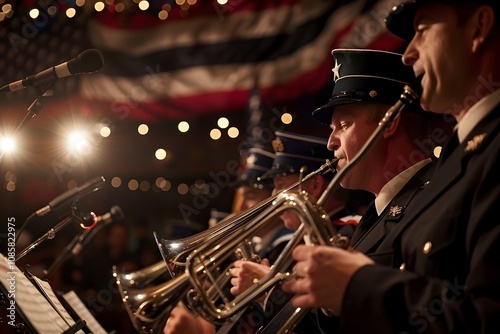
88,61
76,245
61,205
115,214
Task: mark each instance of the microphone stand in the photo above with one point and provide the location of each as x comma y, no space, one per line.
50,234
63,257
33,110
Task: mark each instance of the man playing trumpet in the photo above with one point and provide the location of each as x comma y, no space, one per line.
398,167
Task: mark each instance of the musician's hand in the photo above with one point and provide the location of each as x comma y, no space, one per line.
323,276
245,272
182,321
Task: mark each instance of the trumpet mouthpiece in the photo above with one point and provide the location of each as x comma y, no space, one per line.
415,88
331,165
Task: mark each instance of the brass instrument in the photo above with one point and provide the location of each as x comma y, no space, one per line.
175,252
201,262
142,277
149,307
198,285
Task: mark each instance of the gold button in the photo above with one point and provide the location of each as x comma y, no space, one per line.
427,247
402,266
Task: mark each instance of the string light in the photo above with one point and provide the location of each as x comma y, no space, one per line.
183,126
143,129
113,7
215,134
223,122
233,132
160,154
286,118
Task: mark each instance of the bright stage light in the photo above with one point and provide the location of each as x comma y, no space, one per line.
7,144
78,142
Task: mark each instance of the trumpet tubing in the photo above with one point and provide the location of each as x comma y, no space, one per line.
175,252
201,262
142,277
149,306
195,264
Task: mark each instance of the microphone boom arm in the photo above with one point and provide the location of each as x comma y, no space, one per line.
50,234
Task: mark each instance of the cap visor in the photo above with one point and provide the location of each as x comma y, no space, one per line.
324,113
400,20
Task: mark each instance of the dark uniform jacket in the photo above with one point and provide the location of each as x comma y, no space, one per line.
371,237
447,249
375,237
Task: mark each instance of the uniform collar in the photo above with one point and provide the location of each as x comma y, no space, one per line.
476,113
391,188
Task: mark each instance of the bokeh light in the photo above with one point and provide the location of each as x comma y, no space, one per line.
215,134
286,118
223,123
143,129
183,126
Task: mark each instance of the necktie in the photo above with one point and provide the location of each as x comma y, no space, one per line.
365,223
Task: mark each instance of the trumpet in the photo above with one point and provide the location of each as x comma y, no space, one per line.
201,262
197,285
149,307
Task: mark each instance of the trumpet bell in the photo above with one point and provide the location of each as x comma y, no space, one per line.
175,252
150,307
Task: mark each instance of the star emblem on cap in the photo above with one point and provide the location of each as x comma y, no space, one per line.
474,143
336,71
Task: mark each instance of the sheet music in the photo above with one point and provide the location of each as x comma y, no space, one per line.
49,293
38,311
83,312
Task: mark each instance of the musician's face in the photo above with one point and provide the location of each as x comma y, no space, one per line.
249,196
351,126
442,51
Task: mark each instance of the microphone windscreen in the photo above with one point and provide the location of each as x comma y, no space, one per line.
88,61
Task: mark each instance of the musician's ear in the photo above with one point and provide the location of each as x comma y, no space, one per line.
391,129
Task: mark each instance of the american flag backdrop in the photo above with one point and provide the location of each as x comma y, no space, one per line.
199,59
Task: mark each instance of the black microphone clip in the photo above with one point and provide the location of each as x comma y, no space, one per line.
115,214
